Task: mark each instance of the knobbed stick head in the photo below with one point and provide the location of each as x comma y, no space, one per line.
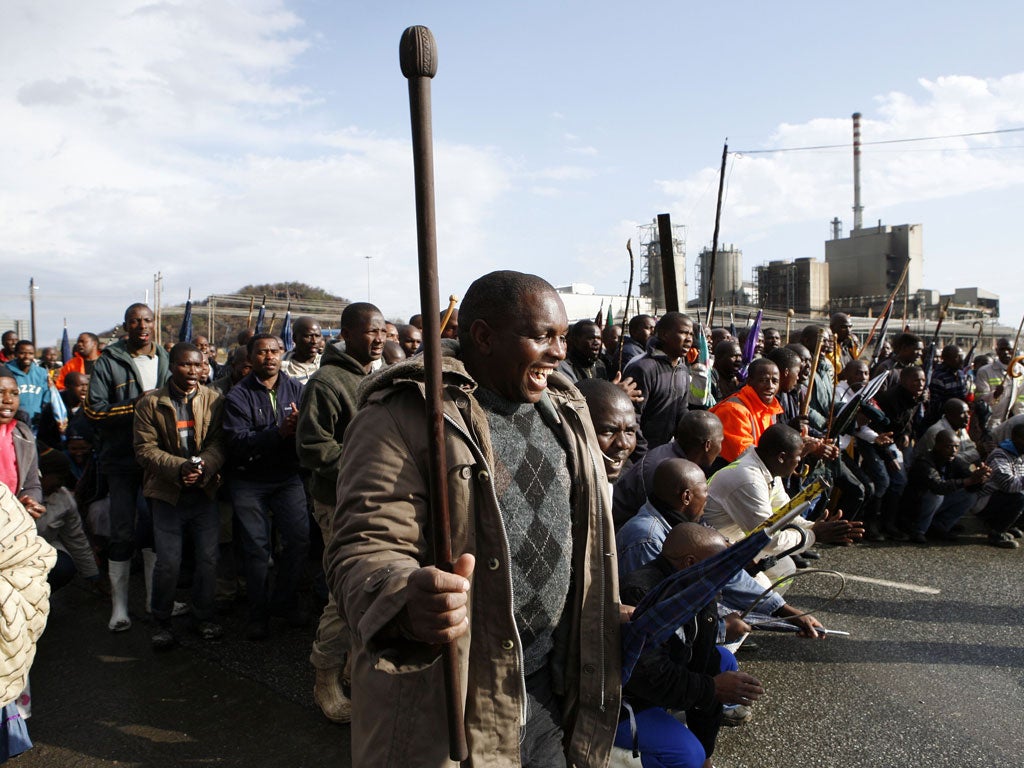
417,53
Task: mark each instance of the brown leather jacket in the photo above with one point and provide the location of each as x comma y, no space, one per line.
397,690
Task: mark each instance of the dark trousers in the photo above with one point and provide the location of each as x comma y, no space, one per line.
1003,510
541,745
255,502
169,525
130,522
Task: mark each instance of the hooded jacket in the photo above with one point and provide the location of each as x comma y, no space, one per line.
328,406
380,537
33,389
114,388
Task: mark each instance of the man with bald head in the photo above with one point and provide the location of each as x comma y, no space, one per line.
698,438
687,673
303,360
678,495
529,508
614,420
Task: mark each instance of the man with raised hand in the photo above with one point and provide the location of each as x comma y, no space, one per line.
529,508
260,415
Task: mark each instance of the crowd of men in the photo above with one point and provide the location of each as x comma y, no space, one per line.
565,444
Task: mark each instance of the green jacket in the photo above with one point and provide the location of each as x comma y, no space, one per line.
114,389
327,406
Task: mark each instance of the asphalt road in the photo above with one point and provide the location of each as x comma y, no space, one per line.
932,675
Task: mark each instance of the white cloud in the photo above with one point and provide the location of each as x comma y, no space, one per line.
156,141
766,192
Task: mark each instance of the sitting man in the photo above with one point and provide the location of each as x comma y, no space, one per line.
1005,488
937,493
678,495
688,673
744,494
748,413
956,415
698,438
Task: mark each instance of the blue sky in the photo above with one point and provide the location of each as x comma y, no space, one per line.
227,143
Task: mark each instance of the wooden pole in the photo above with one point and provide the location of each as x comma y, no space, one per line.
714,237
418,56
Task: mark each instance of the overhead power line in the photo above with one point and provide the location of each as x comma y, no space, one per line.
875,143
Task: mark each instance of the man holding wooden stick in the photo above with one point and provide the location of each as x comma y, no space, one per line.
533,600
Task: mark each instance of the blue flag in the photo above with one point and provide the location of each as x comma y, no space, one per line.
65,346
185,334
260,319
286,332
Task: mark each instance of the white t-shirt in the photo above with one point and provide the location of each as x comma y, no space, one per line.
149,366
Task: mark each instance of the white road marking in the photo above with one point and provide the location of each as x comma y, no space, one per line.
894,584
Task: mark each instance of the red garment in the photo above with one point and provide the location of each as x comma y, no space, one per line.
8,460
744,419
75,365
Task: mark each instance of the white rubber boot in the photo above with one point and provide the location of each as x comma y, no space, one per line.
119,571
148,564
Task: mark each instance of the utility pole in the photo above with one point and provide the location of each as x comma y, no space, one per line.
32,306
158,289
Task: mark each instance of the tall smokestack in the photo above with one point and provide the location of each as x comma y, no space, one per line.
858,209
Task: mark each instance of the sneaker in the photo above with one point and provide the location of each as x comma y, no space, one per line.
163,640
1017,533
736,715
1003,540
917,538
207,630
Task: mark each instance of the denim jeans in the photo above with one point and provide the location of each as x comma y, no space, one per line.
942,511
541,742
255,502
874,467
169,524
130,522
